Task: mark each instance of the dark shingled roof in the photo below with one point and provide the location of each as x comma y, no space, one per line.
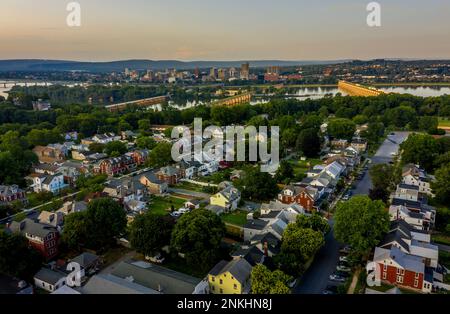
49,276
256,224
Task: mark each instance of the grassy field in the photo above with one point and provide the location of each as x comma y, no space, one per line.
238,218
443,122
189,186
301,167
163,205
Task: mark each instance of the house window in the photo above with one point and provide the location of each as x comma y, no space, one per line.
385,267
398,271
403,272
221,281
221,291
384,275
213,288
213,279
416,283
417,275
400,279
235,286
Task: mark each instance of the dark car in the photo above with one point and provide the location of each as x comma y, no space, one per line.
331,290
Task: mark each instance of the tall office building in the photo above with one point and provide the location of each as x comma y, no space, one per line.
245,71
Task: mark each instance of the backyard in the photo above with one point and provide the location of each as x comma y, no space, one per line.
163,205
237,218
302,166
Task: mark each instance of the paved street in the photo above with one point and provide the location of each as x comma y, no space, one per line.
383,156
316,279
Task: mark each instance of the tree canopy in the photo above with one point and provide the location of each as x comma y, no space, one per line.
361,223
265,281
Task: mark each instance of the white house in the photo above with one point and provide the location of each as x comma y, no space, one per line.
49,280
50,183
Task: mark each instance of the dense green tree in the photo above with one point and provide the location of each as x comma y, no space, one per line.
115,149
285,172
309,142
441,186
341,128
16,257
298,246
257,185
383,181
361,223
314,222
428,124
265,281
97,227
149,233
161,155
420,149
145,142
198,235
97,148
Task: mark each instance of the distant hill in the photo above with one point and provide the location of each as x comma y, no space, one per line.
32,65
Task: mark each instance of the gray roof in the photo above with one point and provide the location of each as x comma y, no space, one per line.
34,228
109,284
239,268
156,277
256,224
49,276
85,259
408,186
251,254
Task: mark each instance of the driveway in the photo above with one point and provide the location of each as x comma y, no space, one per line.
383,156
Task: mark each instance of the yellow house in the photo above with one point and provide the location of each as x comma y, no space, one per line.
228,199
230,277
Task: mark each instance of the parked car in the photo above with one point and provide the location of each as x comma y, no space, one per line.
292,283
184,210
343,268
158,258
343,259
336,277
175,214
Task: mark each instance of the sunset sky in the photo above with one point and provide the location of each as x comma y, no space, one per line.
224,30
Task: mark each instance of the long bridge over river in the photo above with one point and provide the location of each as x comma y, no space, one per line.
359,90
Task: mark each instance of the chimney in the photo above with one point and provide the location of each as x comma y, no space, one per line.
266,249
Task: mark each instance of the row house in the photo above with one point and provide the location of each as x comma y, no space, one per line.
418,220
11,193
306,196
359,144
413,175
42,237
411,241
116,165
139,156
417,207
101,139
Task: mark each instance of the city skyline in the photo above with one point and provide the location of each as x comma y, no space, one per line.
214,30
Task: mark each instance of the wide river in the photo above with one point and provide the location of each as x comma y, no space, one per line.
307,92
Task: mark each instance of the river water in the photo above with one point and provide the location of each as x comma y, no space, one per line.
298,93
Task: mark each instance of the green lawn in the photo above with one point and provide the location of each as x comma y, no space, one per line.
301,167
443,122
189,186
238,218
162,205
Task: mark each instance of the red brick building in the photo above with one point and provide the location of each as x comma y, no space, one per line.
401,269
117,165
298,195
11,193
43,238
169,175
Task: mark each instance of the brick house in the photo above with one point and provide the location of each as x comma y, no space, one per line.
401,269
117,165
153,184
304,196
43,238
48,154
169,174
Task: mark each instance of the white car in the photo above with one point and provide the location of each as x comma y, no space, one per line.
184,210
343,259
175,214
343,268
